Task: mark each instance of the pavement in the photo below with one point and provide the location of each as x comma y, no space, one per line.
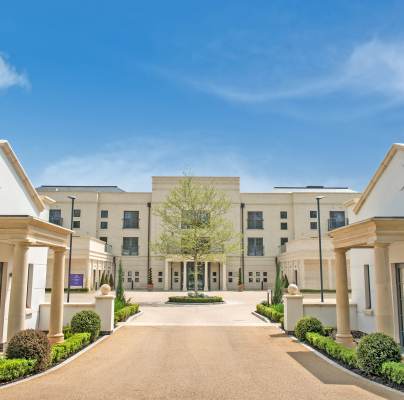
198,352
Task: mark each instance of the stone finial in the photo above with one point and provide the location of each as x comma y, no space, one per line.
293,289
105,289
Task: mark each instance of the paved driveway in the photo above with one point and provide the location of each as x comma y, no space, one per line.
202,352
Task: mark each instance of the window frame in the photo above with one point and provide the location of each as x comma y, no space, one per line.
135,219
132,251
255,220
103,224
103,212
253,248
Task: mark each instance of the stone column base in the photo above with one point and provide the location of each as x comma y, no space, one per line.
345,339
59,337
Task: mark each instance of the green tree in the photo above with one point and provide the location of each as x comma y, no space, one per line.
120,291
195,225
102,281
278,290
111,281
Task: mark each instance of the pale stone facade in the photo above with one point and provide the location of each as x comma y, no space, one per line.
126,221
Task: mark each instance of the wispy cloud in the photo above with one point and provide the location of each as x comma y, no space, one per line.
373,67
10,77
132,163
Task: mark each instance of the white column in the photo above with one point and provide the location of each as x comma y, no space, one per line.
184,276
224,276
383,300
342,298
205,286
55,334
166,275
18,295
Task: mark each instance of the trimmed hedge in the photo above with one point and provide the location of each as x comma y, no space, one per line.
273,312
188,299
72,345
86,321
374,350
124,313
393,371
333,349
15,368
308,324
30,344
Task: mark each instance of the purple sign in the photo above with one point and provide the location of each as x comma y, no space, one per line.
76,280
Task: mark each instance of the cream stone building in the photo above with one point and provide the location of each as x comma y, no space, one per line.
374,242
26,236
268,222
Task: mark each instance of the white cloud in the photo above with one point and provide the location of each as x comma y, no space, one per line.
10,77
374,67
131,165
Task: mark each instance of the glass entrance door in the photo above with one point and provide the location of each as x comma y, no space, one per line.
400,298
191,278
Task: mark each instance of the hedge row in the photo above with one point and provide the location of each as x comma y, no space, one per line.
271,312
188,299
124,313
394,371
333,349
14,368
72,345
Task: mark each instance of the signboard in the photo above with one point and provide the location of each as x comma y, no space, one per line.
76,280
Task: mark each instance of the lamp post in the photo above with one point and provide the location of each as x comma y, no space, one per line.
318,198
72,198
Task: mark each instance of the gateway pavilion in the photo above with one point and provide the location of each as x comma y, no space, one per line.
112,226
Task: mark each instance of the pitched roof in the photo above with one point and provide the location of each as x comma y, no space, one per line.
8,151
382,167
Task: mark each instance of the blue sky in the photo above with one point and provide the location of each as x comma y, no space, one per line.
277,92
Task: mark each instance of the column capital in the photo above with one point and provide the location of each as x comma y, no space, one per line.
381,245
341,250
59,249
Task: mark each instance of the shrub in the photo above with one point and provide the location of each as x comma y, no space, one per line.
278,290
30,344
125,312
273,312
393,371
67,331
73,344
86,321
308,324
11,369
374,350
199,299
333,349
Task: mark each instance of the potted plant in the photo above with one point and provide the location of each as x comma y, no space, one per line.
240,281
149,280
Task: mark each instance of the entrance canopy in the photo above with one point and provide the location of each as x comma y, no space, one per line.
367,233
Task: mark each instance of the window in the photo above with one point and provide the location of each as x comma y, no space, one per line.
257,273
313,214
255,247
284,226
230,280
230,273
176,273
104,213
104,225
258,280
255,220
131,219
265,273
250,274
214,273
160,279
368,299
76,213
136,273
194,218
129,273
76,224
136,279
104,239
251,280
284,214
337,219
160,273
265,280
55,217
28,300
284,240
313,225
130,246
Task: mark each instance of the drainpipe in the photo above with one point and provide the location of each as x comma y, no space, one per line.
148,238
242,243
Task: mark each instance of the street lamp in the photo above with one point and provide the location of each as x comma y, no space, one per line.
72,198
318,198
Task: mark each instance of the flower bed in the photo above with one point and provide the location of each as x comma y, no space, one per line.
195,299
273,312
125,312
73,344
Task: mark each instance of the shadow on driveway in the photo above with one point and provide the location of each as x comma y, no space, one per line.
330,375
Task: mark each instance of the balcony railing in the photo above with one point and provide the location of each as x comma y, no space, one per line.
334,223
108,248
56,220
